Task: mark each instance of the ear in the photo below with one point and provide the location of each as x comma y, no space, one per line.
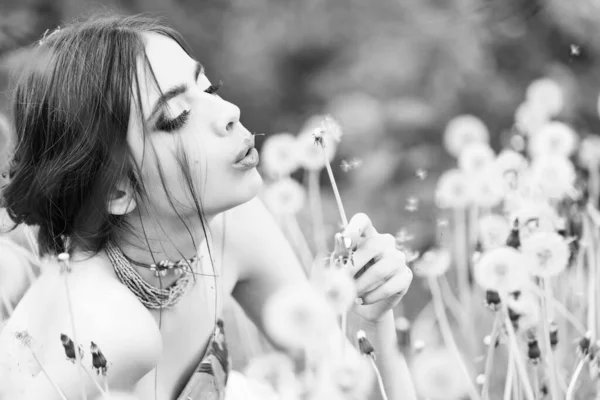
122,200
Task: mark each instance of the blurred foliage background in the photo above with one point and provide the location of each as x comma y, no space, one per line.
393,72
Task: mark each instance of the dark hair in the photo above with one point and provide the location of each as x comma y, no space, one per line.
71,110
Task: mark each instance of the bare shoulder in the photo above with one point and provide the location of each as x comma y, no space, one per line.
104,312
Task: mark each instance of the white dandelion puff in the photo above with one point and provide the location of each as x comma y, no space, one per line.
503,270
510,165
453,190
529,118
546,94
284,197
279,155
535,216
433,263
548,253
436,377
527,305
463,131
493,231
553,139
475,158
298,317
310,154
486,190
589,151
337,287
554,176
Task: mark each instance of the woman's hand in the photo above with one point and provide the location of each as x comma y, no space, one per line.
378,267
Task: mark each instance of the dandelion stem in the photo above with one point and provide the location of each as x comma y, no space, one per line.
591,288
89,374
509,377
547,317
571,389
379,379
314,195
489,360
75,342
446,332
562,310
336,192
514,348
54,385
535,382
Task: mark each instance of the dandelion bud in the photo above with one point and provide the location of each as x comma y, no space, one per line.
98,359
514,240
544,390
403,332
364,345
70,348
492,299
487,340
553,335
480,379
533,351
585,344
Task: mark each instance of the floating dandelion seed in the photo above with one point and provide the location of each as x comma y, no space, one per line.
441,222
403,236
412,204
351,164
575,50
421,174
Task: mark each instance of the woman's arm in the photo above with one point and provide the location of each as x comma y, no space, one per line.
268,262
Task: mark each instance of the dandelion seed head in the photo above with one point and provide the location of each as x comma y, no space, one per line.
502,270
279,155
493,231
436,377
554,176
529,117
337,286
433,263
453,190
476,157
554,138
548,253
547,95
463,131
310,155
285,197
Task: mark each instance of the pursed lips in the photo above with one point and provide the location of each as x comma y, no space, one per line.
248,144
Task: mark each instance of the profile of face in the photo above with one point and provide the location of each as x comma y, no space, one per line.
186,125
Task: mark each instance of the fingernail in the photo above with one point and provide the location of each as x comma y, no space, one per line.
347,242
359,301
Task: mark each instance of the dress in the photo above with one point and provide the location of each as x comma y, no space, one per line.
209,380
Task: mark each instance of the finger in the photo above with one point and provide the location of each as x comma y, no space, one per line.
377,275
370,249
360,226
393,289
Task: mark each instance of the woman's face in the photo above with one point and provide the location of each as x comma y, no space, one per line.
189,118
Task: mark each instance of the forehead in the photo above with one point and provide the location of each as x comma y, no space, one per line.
170,63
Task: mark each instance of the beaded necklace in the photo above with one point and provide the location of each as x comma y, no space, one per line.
151,296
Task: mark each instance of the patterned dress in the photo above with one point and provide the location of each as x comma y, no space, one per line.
209,380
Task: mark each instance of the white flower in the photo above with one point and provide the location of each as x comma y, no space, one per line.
311,154
553,138
527,305
276,371
493,231
503,269
548,253
284,197
436,376
554,176
510,166
529,117
475,158
433,263
337,286
546,94
453,190
486,189
462,131
279,155
298,317
589,151
535,216
347,377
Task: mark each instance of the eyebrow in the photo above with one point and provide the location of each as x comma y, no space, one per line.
175,91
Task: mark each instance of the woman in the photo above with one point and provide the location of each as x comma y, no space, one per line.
126,157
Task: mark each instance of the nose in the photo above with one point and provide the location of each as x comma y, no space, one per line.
229,118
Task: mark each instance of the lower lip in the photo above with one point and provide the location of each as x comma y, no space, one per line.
248,162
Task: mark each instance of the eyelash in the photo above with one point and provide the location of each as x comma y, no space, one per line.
170,125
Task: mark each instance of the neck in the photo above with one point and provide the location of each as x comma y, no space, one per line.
151,240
